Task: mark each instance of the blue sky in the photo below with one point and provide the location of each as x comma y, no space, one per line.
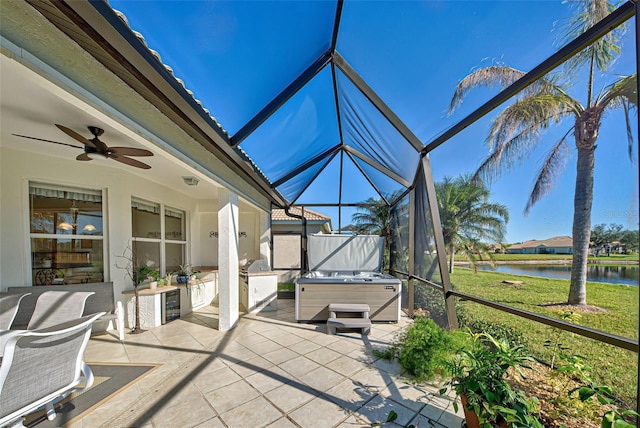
236,56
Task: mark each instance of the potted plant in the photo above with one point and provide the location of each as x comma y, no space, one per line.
147,272
184,272
479,377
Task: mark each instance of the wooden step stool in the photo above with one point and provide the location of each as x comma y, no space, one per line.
363,323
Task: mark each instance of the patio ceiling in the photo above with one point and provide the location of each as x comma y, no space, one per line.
31,106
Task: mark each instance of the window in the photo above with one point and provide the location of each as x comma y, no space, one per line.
66,231
166,250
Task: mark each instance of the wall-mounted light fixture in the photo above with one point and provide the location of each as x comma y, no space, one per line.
190,181
213,234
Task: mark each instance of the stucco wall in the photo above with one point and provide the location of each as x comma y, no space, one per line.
18,168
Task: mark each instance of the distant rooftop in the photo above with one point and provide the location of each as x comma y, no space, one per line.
278,214
556,241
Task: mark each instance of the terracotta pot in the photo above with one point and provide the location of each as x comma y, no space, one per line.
153,285
471,418
469,415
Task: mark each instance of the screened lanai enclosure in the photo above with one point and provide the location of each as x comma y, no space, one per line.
338,105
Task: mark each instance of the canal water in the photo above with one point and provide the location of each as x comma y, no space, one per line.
612,274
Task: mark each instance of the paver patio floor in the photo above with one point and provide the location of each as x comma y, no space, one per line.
268,371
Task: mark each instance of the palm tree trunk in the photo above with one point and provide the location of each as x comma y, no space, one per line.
451,259
586,134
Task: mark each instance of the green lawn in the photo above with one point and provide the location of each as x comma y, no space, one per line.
286,286
614,366
541,257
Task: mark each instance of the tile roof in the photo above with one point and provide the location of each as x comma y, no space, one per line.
278,214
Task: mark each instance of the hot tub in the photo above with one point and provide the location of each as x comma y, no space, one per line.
317,289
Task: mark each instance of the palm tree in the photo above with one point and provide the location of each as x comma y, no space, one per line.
519,127
374,218
468,218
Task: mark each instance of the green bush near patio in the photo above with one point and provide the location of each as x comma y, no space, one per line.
611,365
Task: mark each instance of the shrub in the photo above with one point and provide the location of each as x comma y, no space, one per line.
423,349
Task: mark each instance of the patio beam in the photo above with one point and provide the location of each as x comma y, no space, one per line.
280,99
308,164
366,176
336,26
304,189
614,19
412,243
368,92
377,165
637,11
440,247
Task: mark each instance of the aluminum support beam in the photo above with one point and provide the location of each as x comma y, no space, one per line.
366,176
366,90
308,164
280,99
637,30
412,253
377,165
440,248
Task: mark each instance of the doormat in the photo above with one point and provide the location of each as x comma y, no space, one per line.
110,379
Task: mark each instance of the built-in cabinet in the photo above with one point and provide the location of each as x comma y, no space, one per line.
259,291
194,295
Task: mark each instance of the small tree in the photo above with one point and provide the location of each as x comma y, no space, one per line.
133,272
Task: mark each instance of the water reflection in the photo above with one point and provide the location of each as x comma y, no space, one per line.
628,275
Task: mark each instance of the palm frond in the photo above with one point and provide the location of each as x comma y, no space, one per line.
514,151
627,122
539,110
497,77
625,88
551,168
604,51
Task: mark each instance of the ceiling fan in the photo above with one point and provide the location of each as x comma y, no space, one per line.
96,147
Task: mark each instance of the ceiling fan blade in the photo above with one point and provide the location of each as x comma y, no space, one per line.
129,161
73,134
47,141
83,157
130,151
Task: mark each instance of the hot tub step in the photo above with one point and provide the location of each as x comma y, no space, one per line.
361,323
349,307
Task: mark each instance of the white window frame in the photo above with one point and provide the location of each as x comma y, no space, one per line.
34,235
162,241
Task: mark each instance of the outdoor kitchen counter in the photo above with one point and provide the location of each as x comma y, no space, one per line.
193,295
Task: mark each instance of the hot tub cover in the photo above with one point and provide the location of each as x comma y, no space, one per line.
341,253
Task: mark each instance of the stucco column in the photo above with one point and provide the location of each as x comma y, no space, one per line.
228,226
265,236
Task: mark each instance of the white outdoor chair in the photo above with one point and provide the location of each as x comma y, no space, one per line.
9,304
40,367
55,307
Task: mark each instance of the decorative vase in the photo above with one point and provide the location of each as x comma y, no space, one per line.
182,279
